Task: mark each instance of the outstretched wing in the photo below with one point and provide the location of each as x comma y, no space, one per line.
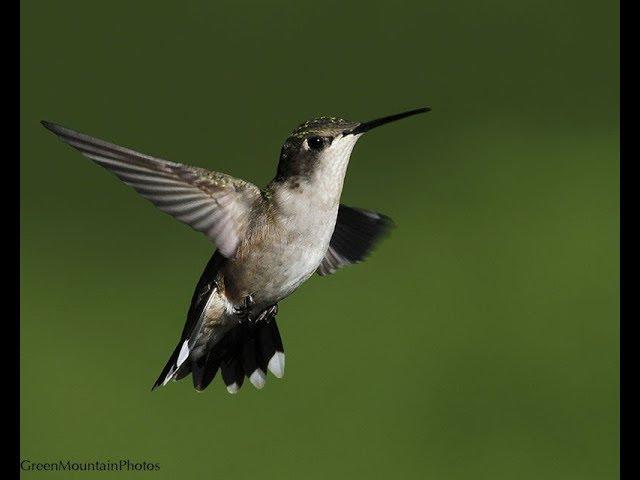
356,233
213,203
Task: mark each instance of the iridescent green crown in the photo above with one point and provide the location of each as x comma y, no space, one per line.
320,126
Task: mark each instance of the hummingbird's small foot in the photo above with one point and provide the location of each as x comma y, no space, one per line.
242,311
267,313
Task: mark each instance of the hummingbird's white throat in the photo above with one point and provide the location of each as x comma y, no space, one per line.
332,165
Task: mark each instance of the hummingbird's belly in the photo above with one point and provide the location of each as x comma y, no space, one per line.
278,272
273,270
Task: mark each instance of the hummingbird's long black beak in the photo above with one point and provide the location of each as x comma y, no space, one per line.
366,126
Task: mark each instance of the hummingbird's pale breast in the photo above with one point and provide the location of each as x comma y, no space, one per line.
286,245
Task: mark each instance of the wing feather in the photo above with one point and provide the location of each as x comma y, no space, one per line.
355,235
213,203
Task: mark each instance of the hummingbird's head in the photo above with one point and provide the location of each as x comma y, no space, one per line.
321,147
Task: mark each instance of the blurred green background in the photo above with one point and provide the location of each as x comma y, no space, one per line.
480,341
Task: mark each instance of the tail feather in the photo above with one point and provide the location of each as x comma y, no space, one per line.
169,370
183,371
249,350
272,349
204,370
232,374
250,364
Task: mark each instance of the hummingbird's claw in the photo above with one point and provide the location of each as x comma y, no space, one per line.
242,311
268,313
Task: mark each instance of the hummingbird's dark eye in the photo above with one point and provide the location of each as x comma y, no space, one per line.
315,143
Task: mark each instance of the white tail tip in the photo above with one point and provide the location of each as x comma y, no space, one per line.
276,364
233,388
258,378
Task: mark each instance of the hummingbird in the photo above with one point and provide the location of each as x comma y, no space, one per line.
268,241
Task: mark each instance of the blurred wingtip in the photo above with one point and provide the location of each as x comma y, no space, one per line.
52,127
